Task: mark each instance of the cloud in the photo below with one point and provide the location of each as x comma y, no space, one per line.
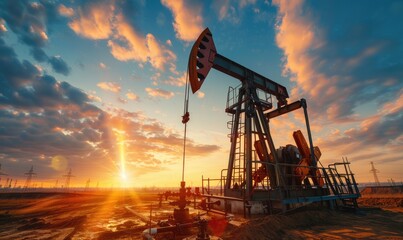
168,42
39,55
94,20
137,47
43,119
200,94
230,10
178,81
128,45
102,65
65,11
381,129
347,64
2,26
110,86
59,65
122,100
339,68
27,20
132,96
244,3
159,93
108,20
30,22
159,56
188,21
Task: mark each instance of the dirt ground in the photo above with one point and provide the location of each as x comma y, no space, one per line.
124,215
99,215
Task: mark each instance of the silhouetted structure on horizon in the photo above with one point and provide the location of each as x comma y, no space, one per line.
375,171
29,174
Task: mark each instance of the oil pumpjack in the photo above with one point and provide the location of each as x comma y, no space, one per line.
259,177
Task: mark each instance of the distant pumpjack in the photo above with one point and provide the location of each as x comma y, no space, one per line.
68,176
375,171
29,174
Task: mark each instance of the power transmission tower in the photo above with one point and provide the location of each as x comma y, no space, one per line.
29,174
2,173
68,176
87,184
375,171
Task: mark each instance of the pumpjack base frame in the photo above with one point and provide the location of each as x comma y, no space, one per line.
275,194
261,203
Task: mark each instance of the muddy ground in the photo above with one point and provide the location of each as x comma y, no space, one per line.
125,215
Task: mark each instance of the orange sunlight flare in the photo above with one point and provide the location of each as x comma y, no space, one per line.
122,156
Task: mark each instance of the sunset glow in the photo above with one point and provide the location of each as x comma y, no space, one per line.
122,160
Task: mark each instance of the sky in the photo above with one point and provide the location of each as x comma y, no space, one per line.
98,86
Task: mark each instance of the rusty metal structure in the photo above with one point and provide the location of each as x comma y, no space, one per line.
260,177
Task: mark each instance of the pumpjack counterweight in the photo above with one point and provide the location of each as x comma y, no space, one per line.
257,171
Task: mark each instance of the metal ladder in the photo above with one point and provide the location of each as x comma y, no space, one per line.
342,184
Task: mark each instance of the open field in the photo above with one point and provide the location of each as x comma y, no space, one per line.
125,215
100,215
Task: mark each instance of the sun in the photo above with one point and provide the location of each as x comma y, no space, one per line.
124,180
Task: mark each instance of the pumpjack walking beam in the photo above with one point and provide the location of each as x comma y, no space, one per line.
204,56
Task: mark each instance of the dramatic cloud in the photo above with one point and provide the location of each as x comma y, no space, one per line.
107,20
110,86
381,129
59,65
44,120
329,62
188,21
345,66
30,22
159,93
94,20
139,48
